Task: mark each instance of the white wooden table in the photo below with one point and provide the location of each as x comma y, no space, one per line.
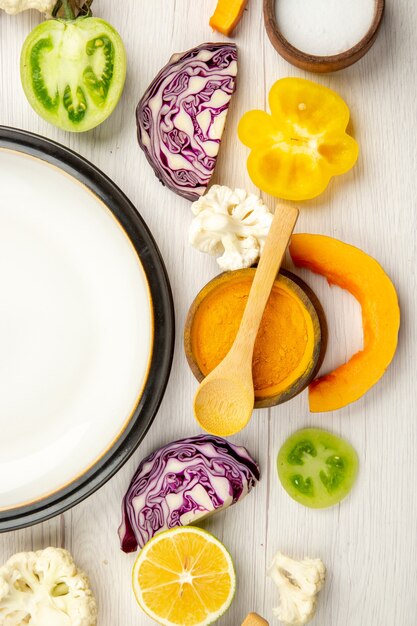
369,542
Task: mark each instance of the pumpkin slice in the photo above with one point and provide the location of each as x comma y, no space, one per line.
227,15
352,269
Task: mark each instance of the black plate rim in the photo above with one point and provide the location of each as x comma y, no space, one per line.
164,327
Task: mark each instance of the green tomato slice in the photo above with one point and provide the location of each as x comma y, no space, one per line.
317,468
73,72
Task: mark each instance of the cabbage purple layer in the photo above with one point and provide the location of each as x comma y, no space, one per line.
181,483
181,116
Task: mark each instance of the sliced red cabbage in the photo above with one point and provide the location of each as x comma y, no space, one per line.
181,116
181,483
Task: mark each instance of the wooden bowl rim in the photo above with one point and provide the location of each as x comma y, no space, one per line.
316,309
319,62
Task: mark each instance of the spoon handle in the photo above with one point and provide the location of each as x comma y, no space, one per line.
285,218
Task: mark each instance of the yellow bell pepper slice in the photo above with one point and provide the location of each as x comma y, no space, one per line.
303,143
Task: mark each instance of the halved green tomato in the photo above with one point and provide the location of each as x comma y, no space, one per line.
73,71
316,468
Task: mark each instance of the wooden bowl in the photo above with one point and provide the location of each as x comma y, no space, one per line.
314,308
320,64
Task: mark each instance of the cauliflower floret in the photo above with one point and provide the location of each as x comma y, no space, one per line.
233,224
17,6
298,583
45,588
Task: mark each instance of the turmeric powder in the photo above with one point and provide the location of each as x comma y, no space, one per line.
285,343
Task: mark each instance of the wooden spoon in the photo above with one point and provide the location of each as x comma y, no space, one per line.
224,400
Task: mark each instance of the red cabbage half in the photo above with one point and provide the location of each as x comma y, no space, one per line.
183,482
181,116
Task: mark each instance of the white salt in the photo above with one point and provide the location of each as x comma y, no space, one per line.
324,27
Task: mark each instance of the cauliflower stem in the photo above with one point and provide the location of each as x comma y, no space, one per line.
298,582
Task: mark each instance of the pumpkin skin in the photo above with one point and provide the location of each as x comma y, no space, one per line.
357,272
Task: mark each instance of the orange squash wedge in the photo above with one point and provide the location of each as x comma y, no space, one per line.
227,15
352,269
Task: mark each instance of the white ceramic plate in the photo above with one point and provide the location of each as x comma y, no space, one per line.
76,329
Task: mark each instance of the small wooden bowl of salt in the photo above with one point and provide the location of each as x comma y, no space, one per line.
322,35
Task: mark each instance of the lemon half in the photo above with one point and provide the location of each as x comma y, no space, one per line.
184,577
